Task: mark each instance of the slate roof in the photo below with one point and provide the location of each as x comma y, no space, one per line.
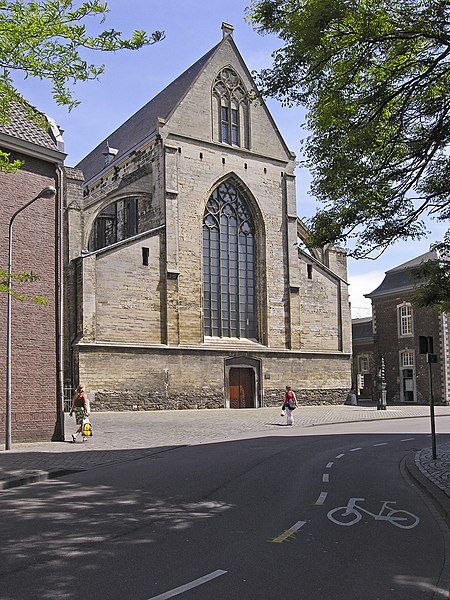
399,278
23,127
144,121
362,328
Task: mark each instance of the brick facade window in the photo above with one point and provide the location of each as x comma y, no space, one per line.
405,319
363,363
407,358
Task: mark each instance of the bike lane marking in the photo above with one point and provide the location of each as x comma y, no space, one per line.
321,499
189,586
287,534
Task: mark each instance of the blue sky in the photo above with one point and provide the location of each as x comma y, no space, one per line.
131,79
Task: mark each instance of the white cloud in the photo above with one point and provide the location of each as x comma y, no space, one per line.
360,284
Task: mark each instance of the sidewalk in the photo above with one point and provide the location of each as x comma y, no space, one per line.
120,437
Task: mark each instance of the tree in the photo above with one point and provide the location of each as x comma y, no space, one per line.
19,278
47,39
374,76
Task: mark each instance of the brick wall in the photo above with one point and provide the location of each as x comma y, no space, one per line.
33,372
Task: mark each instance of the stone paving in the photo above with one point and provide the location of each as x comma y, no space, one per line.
125,436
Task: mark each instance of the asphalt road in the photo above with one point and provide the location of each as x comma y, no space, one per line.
245,519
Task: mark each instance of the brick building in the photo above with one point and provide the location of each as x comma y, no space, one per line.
397,327
36,409
364,366
187,282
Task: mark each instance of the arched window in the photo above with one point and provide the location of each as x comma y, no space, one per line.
232,108
118,221
228,265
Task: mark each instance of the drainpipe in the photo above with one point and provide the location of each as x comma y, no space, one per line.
59,432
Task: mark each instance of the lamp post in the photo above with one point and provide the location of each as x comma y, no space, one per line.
47,192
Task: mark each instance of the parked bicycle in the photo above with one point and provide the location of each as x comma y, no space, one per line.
352,514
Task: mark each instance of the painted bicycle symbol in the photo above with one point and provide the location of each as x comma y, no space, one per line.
352,514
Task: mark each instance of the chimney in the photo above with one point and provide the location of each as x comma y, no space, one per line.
227,30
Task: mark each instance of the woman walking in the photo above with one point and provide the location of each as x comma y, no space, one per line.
289,404
80,405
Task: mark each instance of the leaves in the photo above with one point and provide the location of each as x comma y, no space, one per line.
18,278
47,39
375,79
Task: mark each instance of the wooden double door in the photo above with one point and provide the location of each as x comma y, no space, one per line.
242,387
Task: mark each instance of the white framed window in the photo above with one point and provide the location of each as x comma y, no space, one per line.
363,363
407,358
405,320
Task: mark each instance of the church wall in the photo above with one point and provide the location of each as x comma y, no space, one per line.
152,379
128,297
320,309
199,169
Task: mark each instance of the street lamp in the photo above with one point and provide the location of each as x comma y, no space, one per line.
47,192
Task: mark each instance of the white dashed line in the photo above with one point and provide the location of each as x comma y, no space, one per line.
329,465
321,499
189,586
340,455
355,449
325,478
288,533
383,444
407,440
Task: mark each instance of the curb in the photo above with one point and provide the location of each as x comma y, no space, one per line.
440,499
440,504
36,477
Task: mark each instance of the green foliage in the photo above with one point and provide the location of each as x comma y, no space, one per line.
375,79
434,289
48,39
18,278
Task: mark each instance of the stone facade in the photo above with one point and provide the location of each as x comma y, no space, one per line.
137,337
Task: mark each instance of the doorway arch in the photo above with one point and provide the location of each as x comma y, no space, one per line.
242,383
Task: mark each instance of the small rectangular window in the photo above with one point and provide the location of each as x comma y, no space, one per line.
407,359
145,255
310,271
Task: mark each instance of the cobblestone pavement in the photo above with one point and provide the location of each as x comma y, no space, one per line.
125,436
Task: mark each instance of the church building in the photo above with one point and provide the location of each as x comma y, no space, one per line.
188,281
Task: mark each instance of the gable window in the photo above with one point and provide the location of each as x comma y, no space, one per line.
228,265
231,108
405,319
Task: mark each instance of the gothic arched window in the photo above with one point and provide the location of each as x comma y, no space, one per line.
228,265
232,108
118,221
